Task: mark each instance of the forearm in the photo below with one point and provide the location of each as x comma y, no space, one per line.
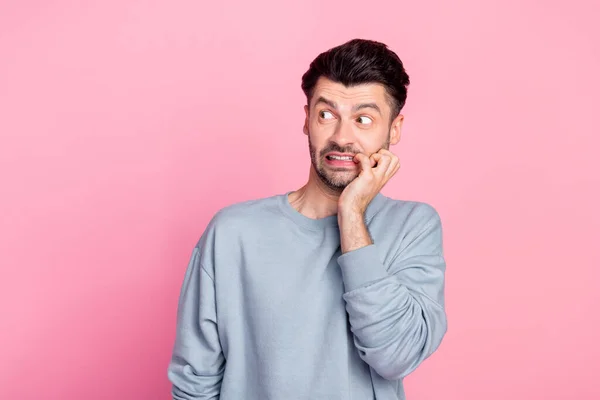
354,233
395,303
395,327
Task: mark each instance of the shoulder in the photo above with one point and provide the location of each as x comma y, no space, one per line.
415,225
244,211
239,216
232,224
414,215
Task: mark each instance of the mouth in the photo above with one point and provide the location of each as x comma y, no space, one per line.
339,160
339,157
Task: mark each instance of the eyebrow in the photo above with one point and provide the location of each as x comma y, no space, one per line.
357,107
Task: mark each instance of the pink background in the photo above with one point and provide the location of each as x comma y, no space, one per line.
126,124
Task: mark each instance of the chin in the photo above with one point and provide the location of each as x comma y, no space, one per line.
338,184
335,180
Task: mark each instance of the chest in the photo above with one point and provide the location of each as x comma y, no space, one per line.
277,286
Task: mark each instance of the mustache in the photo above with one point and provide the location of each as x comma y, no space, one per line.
339,149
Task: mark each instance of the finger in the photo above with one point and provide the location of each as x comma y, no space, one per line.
395,163
388,153
394,166
365,162
383,165
393,169
375,157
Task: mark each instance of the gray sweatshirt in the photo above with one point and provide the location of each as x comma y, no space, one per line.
270,309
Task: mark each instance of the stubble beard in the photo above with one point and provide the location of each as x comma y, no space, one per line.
336,180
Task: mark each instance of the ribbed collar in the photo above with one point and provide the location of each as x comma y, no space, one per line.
322,223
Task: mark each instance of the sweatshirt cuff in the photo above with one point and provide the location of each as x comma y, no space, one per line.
361,267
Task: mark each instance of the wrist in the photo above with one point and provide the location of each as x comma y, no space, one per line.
350,213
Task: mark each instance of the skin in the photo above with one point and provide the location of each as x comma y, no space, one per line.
356,121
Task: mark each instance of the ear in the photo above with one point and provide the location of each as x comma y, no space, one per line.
396,129
305,128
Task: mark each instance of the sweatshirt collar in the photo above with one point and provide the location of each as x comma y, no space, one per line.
322,223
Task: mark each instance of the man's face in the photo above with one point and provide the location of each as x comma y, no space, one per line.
343,121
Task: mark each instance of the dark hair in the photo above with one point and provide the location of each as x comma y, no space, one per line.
360,61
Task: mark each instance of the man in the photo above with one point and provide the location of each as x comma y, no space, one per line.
332,291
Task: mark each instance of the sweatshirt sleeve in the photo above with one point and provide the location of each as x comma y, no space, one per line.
397,313
197,363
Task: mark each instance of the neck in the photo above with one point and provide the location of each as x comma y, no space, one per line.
315,199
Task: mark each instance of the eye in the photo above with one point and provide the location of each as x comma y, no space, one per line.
365,120
326,114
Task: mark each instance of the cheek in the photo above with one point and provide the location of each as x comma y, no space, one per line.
318,134
368,148
376,140
316,143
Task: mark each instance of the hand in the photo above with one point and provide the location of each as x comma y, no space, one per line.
359,193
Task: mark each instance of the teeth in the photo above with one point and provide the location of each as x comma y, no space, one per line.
341,158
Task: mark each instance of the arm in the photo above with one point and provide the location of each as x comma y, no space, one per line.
397,312
197,364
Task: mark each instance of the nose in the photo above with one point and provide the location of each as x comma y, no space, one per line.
344,134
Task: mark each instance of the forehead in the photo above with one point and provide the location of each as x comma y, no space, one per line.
347,97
